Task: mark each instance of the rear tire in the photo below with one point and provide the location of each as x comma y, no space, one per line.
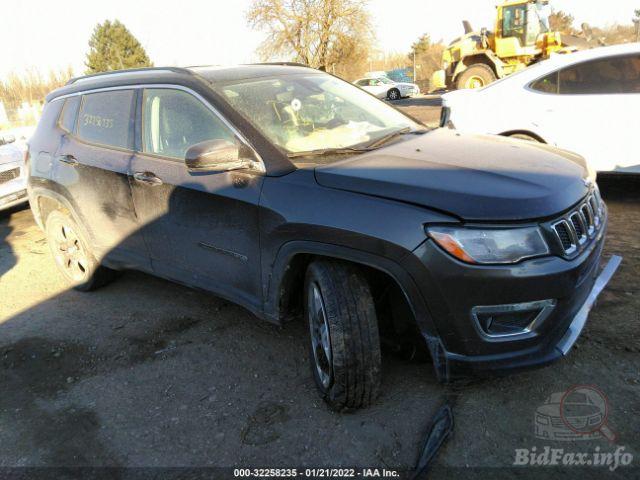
476,76
345,345
72,254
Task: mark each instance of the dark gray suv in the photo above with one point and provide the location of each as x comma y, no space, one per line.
294,193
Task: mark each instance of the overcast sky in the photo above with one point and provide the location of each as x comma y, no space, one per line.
53,34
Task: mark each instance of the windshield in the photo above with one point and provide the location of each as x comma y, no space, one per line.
302,113
385,80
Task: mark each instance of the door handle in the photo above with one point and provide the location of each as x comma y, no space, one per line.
69,160
148,178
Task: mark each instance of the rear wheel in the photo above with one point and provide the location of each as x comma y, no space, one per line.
393,94
344,339
72,254
476,76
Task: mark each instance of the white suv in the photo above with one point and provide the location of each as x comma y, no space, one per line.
586,102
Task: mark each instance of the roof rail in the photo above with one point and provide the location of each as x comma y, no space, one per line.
284,64
128,70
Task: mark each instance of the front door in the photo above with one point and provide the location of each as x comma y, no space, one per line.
200,228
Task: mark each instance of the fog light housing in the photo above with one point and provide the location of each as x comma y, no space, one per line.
514,321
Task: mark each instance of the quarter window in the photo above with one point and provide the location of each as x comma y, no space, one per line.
174,120
106,118
548,84
69,113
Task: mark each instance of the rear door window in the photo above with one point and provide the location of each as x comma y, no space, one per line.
106,118
69,113
615,75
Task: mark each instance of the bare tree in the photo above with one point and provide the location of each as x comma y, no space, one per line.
562,22
30,87
325,34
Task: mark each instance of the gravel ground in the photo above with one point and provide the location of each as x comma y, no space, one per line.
146,373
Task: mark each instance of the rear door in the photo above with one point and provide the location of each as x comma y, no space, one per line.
593,109
200,228
92,166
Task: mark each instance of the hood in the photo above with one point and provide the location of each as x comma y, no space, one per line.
406,84
473,177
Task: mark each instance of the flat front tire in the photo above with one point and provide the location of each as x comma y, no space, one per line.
344,340
72,254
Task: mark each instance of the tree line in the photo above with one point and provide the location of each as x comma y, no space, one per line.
332,35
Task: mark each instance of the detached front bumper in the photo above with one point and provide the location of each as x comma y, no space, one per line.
460,365
454,293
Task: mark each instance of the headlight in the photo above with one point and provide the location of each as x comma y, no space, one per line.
477,245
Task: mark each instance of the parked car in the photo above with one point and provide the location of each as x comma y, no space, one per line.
384,87
586,102
13,174
293,193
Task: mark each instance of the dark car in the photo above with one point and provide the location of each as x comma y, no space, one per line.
291,192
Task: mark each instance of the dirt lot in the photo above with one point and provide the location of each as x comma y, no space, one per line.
146,373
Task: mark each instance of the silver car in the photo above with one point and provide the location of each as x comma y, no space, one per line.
13,174
384,87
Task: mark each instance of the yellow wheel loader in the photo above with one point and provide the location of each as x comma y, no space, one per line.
521,38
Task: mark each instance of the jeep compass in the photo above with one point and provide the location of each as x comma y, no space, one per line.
296,194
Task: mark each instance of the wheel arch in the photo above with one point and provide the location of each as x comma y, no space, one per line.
530,133
287,282
44,201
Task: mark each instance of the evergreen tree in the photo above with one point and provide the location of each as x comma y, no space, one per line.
113,47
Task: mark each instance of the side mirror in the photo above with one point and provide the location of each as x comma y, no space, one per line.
7,139
215,156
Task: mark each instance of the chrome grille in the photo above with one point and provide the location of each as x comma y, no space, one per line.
9,174
578,226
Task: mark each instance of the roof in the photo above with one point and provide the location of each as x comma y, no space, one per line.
593,53
211,74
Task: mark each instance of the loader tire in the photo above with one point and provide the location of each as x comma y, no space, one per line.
476,76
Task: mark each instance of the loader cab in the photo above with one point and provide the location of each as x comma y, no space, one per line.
517,30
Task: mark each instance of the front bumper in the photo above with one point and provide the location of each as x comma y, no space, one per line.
13,191
451,289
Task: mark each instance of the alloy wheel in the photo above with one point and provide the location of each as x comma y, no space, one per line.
320,336
70,253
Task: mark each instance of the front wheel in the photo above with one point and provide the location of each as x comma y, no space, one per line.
476,76
393,94
344,340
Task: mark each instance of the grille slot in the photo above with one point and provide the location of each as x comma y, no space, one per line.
8,175
578,226
587,214
563,231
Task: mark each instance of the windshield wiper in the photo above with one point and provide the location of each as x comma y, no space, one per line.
328,151
390,136
351,150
